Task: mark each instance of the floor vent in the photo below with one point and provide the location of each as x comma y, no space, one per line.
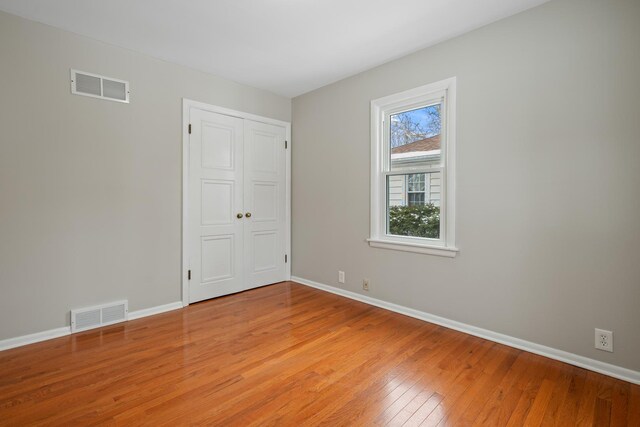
99,315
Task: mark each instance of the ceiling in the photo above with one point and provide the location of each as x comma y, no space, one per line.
288,47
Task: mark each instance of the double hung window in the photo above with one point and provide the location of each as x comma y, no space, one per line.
413,170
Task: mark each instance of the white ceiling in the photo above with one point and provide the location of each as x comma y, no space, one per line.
285,46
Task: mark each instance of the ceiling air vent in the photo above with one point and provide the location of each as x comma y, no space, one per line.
99,315
97,86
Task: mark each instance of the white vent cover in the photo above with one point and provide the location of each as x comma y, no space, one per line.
99,315
97,86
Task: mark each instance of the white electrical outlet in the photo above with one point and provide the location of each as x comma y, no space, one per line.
604,340
365,284
341,276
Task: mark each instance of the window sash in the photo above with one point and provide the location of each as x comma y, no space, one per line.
384,211
433,99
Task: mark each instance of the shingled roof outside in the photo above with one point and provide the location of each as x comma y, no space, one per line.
427,144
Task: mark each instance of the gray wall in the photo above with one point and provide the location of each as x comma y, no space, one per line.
90,190
549,118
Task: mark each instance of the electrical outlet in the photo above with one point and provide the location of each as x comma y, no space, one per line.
341,276
604,340
365,284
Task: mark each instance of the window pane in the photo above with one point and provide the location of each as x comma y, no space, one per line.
415,199
415,182
415,137
413,205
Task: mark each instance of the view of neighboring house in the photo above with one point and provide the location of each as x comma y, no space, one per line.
415,188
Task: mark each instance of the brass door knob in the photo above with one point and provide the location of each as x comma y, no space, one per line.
248,214
239,216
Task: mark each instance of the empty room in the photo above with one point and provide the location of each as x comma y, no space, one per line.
320,212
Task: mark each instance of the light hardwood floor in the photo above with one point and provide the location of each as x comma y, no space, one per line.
287,354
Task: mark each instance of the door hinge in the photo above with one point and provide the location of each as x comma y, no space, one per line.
285,258
285,145
189,128
189,275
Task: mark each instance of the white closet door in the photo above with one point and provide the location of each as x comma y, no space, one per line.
216,233
264,203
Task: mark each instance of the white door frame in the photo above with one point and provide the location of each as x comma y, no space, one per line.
187,104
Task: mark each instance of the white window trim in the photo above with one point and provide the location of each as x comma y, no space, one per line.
380,108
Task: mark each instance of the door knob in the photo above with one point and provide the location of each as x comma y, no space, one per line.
248,214
239,216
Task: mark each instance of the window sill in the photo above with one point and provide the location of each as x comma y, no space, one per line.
412,247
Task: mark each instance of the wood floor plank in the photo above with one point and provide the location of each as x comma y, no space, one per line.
529,392
291,355
633,414
587,406
540,403
424,410
562,382
620,404
504,398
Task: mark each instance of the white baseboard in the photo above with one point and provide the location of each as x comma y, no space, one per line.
33,338
8,343
154,310
552,353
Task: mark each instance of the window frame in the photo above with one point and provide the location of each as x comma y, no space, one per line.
381,110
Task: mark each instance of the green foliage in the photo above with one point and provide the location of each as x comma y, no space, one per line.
416,221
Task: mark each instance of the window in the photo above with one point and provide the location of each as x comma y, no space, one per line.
413,170
416,189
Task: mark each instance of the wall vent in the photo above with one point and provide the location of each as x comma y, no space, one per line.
99,315
97,86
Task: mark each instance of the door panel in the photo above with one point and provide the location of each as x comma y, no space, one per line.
265,246
216,235
265,199
217,202
217,256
